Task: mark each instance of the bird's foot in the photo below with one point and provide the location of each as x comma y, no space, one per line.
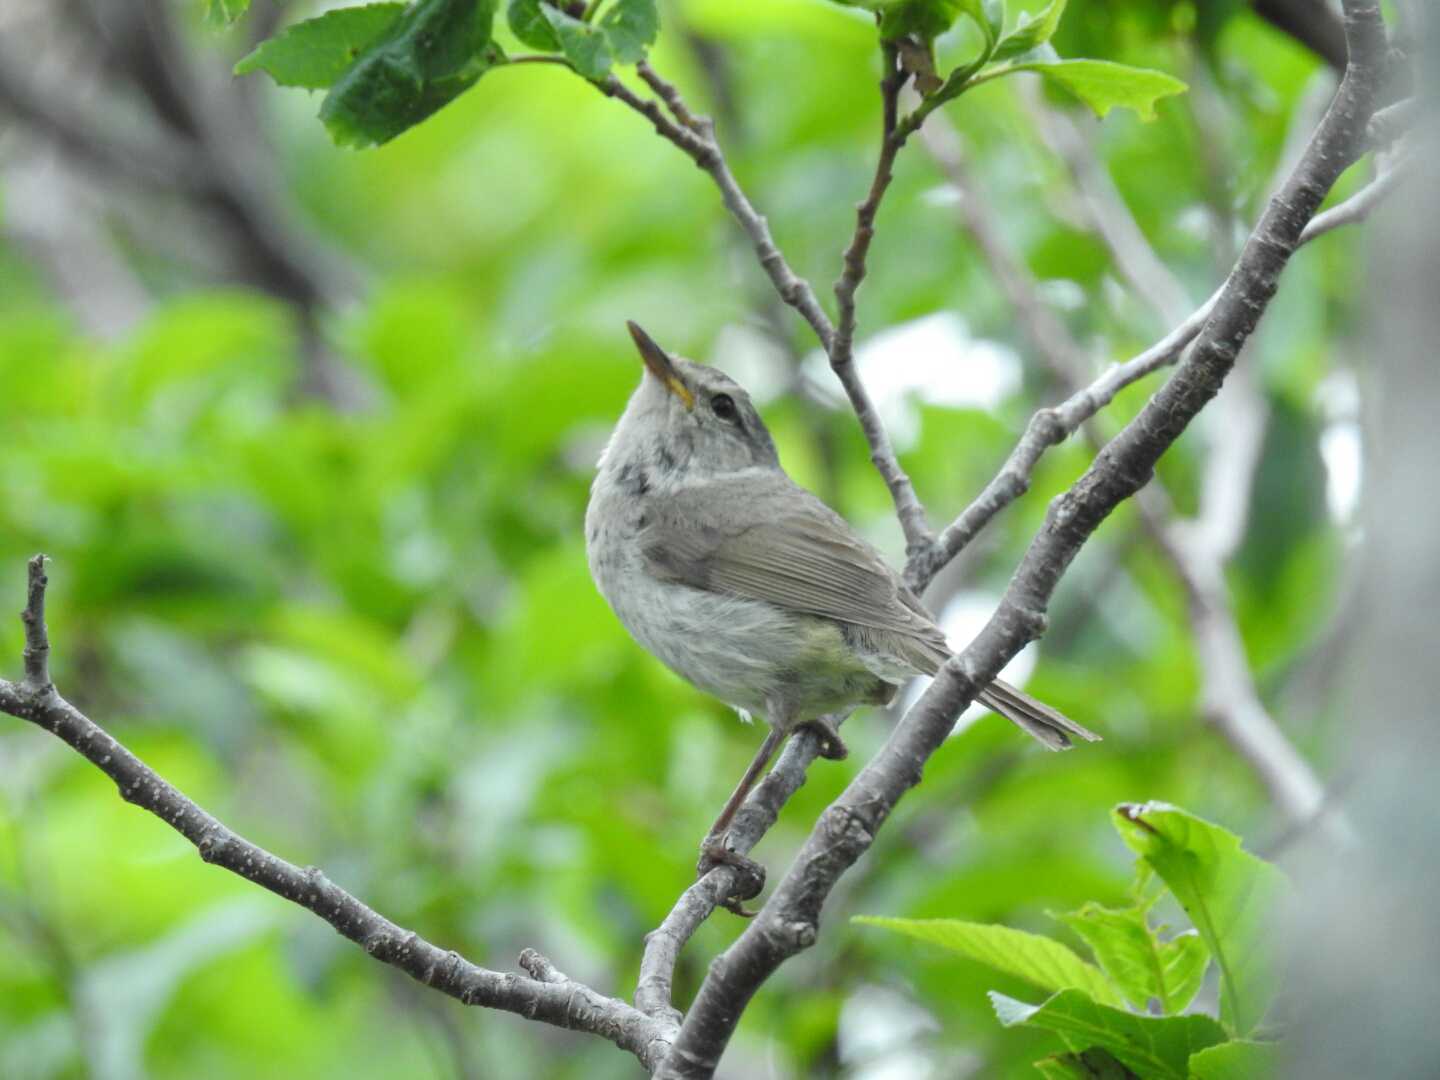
749,874
832,747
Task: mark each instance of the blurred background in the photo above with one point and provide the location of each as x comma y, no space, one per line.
308,435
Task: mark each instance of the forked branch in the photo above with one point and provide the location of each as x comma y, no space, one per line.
789,921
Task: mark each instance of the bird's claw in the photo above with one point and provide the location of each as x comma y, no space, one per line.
832,747
749,875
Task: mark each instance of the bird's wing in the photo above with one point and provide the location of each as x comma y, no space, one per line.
760,536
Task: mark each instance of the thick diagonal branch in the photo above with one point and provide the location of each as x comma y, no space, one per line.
552,1000
789,921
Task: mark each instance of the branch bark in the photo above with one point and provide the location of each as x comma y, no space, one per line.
546,996
789,921
1053,425
1196,550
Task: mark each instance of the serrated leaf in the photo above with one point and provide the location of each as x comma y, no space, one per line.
1229,894
1132,955
1041,961
583,45
1238,1060
225,12
435,51
1155,1047
1029,33
314,53
528,23
1104,85
1092,1064
630,27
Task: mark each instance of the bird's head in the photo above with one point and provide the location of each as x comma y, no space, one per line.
691,419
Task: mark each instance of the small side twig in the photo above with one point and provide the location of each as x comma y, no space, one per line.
37,634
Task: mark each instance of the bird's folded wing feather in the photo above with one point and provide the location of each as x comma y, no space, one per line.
765,538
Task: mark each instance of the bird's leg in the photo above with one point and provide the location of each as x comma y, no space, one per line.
713,851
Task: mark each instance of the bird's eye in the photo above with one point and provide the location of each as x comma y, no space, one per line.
723,406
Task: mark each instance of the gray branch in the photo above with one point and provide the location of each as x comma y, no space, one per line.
789,921
546,996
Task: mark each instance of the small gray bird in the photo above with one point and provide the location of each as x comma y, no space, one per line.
746,584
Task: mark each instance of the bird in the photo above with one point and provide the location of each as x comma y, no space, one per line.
749,586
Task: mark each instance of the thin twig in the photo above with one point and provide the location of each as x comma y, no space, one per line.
549,997
908,508
698,143
695,135
1144,271
669,93
789,921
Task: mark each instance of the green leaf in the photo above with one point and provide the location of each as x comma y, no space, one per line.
528,23
435,51
1030,33
1104,85
1040,961
1155,1047
1092,1064
314,53
225,12
1137,961
583,45
630,27
989,16
1229,894
925,19
1239,1060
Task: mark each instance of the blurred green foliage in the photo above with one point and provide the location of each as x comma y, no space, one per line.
367,639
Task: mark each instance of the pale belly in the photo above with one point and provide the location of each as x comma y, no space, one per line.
749,654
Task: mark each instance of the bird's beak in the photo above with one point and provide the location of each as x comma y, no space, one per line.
658,361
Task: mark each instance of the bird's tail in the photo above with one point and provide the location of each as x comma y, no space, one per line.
1050,726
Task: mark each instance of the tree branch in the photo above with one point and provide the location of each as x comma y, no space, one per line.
547,996
789,921
697,141
1052,425
695,136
